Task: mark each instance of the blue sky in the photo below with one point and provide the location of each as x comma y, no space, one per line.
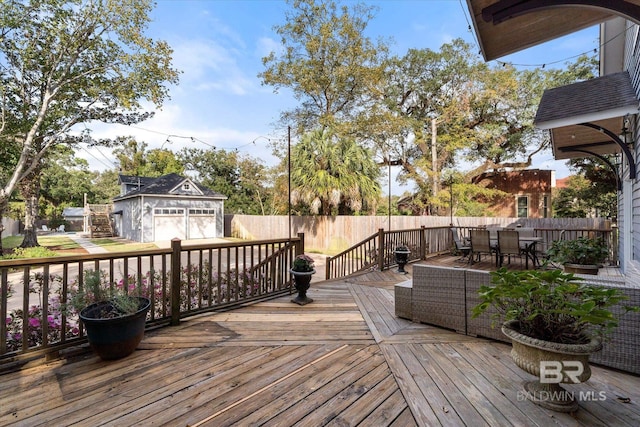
218,45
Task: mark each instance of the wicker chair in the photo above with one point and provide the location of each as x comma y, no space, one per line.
481,244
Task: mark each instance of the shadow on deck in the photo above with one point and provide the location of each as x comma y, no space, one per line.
343,360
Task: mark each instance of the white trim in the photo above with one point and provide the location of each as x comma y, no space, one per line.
587,118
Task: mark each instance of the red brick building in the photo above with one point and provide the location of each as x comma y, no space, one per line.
529,192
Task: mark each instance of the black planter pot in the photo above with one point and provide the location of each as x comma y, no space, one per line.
114,338
402,257
302,282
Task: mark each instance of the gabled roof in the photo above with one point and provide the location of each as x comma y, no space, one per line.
133,180
167,185
602,102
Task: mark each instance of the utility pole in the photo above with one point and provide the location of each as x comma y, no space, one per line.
434,157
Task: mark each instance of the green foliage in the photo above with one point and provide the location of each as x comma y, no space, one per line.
239,177
332,175
68,62
64,181
326,61
550,305
34,252
592,192
135,160
303,263
95,289
583,250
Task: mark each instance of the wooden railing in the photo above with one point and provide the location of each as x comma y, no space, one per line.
377,251
180,281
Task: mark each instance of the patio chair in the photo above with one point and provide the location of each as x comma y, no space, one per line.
462,247
481,244
508,245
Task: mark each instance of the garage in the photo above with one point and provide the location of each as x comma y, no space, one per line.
169,224
202,224
168,207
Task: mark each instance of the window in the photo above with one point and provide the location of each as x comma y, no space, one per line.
167,211
186,187
202,211
523,207
545,206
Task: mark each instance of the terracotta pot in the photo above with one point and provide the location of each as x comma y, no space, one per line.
528,352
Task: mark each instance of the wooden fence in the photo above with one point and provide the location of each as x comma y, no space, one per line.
335,234
180,281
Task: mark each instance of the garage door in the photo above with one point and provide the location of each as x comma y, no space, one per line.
169,224
202,223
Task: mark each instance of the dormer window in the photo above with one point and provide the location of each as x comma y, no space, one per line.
186,187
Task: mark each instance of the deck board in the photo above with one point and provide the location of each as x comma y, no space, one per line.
343,360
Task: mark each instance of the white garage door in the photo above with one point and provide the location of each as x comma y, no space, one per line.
169,224
202,223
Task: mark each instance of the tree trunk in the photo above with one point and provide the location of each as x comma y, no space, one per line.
4,203
30,190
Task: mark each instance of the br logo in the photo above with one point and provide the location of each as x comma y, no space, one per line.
554,372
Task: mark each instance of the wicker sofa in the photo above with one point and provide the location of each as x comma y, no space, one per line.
445,297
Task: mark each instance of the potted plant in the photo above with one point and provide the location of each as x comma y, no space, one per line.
402,253
302,270
555,321
583,255
114,319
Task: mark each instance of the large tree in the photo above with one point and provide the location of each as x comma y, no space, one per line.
450,110
134,159
326,61
238,176
69,62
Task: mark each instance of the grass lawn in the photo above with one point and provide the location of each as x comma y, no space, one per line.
60,244
116,245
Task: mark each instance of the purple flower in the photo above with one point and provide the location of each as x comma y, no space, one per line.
34,322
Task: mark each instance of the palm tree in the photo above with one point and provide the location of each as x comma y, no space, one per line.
333,175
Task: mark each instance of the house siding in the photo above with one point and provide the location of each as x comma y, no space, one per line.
631,261
137,221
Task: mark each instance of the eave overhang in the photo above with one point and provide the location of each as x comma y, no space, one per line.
586,118
507,26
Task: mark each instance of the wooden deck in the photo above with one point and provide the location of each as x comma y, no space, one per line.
343,360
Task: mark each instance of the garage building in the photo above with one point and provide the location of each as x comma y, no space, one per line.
163,208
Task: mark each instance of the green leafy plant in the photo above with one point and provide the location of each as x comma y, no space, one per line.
96,289
550,305
583,250
303,263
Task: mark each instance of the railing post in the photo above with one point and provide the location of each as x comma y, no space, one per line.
300,244
381,248
176,250
423,242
